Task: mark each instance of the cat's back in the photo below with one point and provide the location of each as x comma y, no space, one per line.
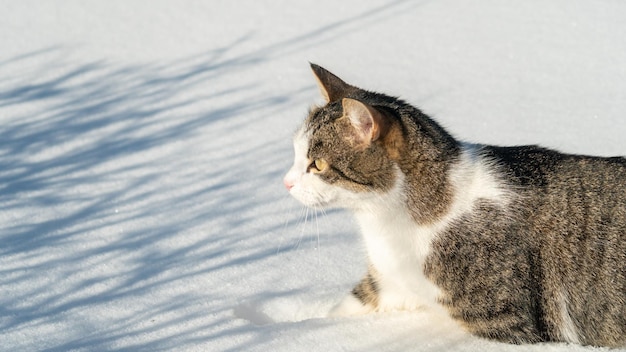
537,166
564,192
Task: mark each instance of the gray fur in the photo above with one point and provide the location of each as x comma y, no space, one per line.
504,270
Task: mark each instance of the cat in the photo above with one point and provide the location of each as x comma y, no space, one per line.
517,244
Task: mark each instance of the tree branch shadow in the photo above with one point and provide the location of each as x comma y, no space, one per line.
102,207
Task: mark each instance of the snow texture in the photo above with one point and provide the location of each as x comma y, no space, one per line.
143,143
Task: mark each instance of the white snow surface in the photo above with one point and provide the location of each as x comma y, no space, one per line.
143,144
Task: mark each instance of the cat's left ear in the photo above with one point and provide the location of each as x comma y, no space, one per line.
369,123
331,86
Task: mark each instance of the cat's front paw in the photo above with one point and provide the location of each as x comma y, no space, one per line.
350,306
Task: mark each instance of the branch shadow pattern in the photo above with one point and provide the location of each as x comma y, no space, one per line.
88,180
101,207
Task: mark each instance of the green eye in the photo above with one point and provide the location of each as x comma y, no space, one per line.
318,165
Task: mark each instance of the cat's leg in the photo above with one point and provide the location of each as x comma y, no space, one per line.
508,328
509,315
362,300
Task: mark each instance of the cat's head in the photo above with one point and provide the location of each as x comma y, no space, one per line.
346,151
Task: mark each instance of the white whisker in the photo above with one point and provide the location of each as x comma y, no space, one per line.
286,222
317,247
303,226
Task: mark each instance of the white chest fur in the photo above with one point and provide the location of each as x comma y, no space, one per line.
397,246
397,250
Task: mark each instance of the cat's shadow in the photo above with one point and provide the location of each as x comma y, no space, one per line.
285,309
253,314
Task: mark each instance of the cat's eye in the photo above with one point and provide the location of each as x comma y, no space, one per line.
318,165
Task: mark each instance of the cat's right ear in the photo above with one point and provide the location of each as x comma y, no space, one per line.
331,86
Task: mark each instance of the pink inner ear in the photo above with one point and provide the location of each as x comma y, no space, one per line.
363,118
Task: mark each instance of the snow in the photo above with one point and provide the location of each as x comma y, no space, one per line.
143,143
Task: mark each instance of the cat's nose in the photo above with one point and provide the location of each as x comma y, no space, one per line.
288,184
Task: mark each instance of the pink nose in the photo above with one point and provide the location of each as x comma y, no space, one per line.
288,184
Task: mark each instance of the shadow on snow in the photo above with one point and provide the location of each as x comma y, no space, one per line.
146,168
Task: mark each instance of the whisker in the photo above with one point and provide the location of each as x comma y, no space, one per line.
285,204
317,228
303,226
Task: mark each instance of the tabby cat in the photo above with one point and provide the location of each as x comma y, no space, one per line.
518,244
